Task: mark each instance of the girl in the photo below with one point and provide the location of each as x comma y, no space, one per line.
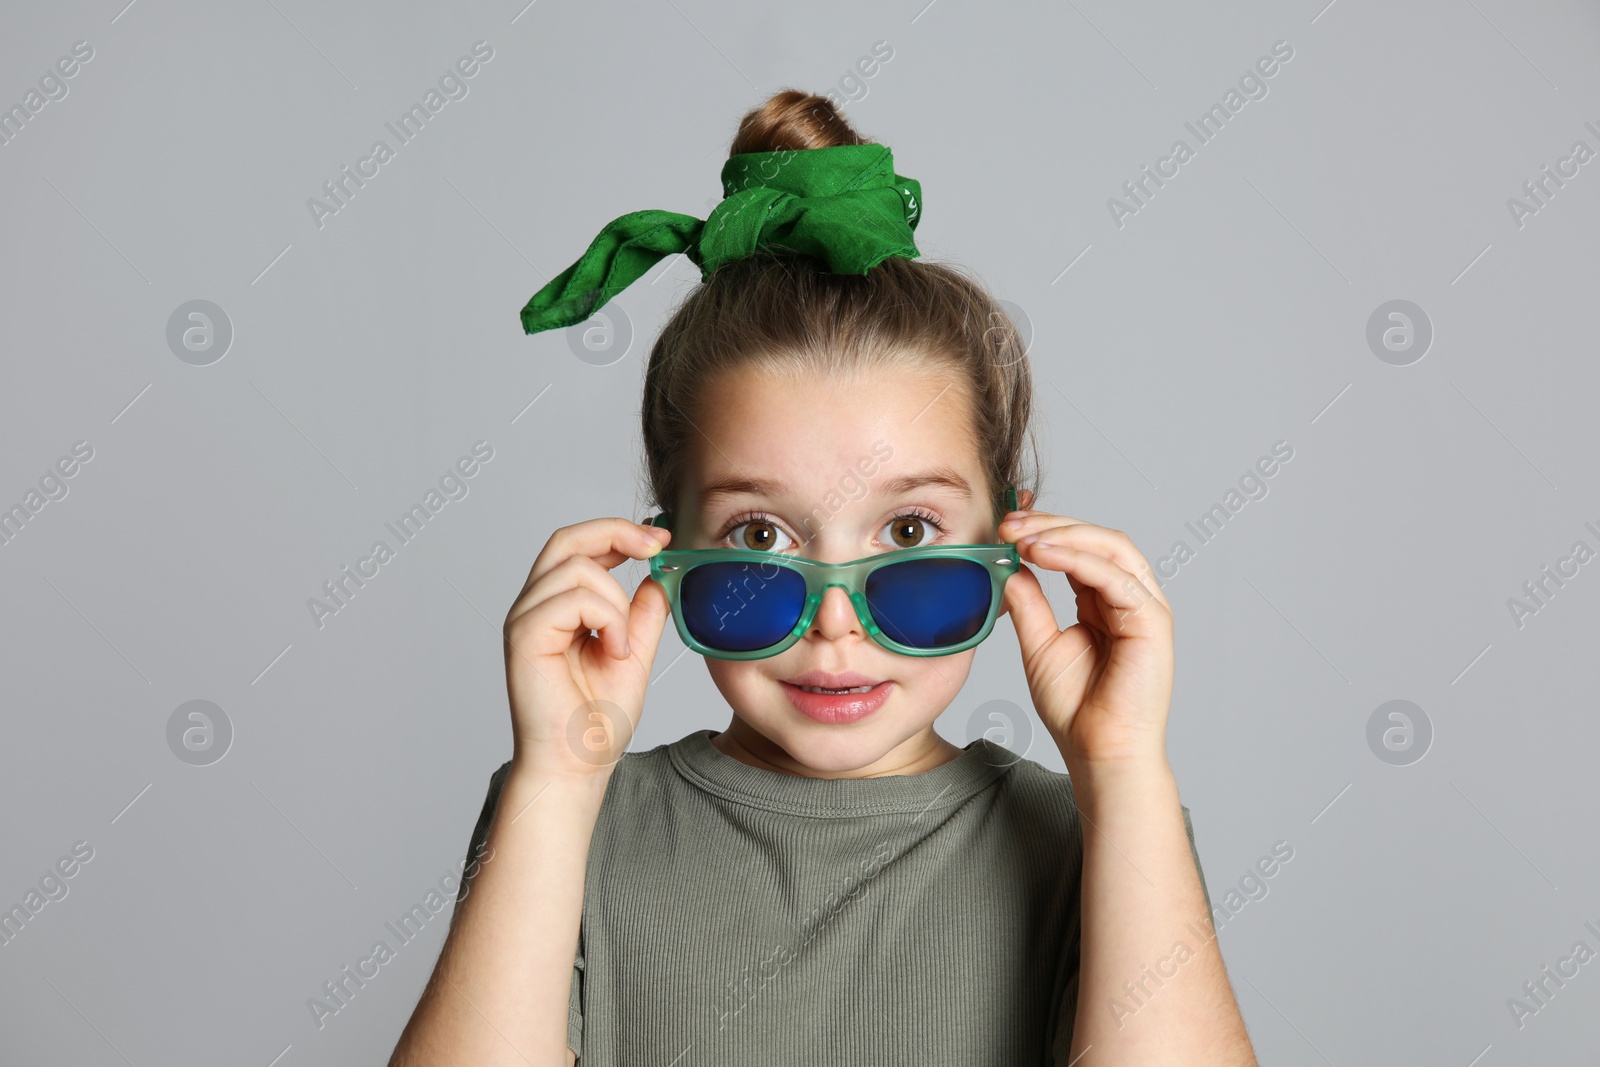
828,880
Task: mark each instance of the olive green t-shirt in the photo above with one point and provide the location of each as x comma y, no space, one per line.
734,915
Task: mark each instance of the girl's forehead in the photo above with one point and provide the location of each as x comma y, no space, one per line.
807,425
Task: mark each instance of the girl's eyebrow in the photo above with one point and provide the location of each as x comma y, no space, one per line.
739,486
947,477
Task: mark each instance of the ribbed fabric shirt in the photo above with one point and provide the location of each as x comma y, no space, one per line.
734,915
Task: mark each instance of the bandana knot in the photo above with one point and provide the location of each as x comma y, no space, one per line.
843,204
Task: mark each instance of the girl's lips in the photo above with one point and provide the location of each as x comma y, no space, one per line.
837,708
825,680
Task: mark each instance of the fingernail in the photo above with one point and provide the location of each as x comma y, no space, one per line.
1030,539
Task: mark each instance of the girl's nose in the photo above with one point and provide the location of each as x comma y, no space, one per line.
836,616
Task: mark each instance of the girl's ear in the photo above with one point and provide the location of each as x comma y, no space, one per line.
1025,499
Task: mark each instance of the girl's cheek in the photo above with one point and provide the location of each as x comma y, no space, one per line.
745,675
739,680
939,676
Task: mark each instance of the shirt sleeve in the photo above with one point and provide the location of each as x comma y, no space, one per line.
480,837
1188,828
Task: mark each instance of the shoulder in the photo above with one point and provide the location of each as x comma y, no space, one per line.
1030,778
1037,793
1041,790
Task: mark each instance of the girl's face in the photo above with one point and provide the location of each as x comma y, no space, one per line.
835,469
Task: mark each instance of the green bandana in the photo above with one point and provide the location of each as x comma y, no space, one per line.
843,204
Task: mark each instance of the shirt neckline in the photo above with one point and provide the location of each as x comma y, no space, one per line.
945,786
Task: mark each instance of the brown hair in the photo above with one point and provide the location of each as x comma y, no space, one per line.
785,313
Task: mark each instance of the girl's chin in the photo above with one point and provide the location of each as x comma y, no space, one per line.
832,750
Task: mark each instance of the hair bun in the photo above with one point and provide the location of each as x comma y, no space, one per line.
791,119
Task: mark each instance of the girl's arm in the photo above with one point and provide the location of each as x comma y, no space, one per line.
578,656
1152,988
500,991
1151,985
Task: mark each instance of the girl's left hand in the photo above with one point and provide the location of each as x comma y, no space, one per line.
1102,686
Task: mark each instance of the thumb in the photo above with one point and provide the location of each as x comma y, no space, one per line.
1031,613
647,616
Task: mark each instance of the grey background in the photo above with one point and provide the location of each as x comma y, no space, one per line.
369,354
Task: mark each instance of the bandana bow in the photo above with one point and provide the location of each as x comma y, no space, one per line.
843,204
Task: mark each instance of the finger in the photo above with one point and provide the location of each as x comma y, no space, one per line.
647,619
1031,614
1117,588
572,572
609,542
1020,524
549,627
1114,544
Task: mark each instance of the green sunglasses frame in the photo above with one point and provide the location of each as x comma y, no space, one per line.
669,566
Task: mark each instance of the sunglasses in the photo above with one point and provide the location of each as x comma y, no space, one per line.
746,603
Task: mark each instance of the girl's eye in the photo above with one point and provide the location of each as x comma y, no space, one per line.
910,531
759,534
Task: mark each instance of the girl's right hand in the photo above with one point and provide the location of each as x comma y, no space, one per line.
576,697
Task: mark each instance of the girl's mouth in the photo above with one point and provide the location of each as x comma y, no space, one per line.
836,705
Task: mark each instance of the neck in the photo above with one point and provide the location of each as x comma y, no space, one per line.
919,753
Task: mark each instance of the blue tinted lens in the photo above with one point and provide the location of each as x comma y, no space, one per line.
739,606
929,603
